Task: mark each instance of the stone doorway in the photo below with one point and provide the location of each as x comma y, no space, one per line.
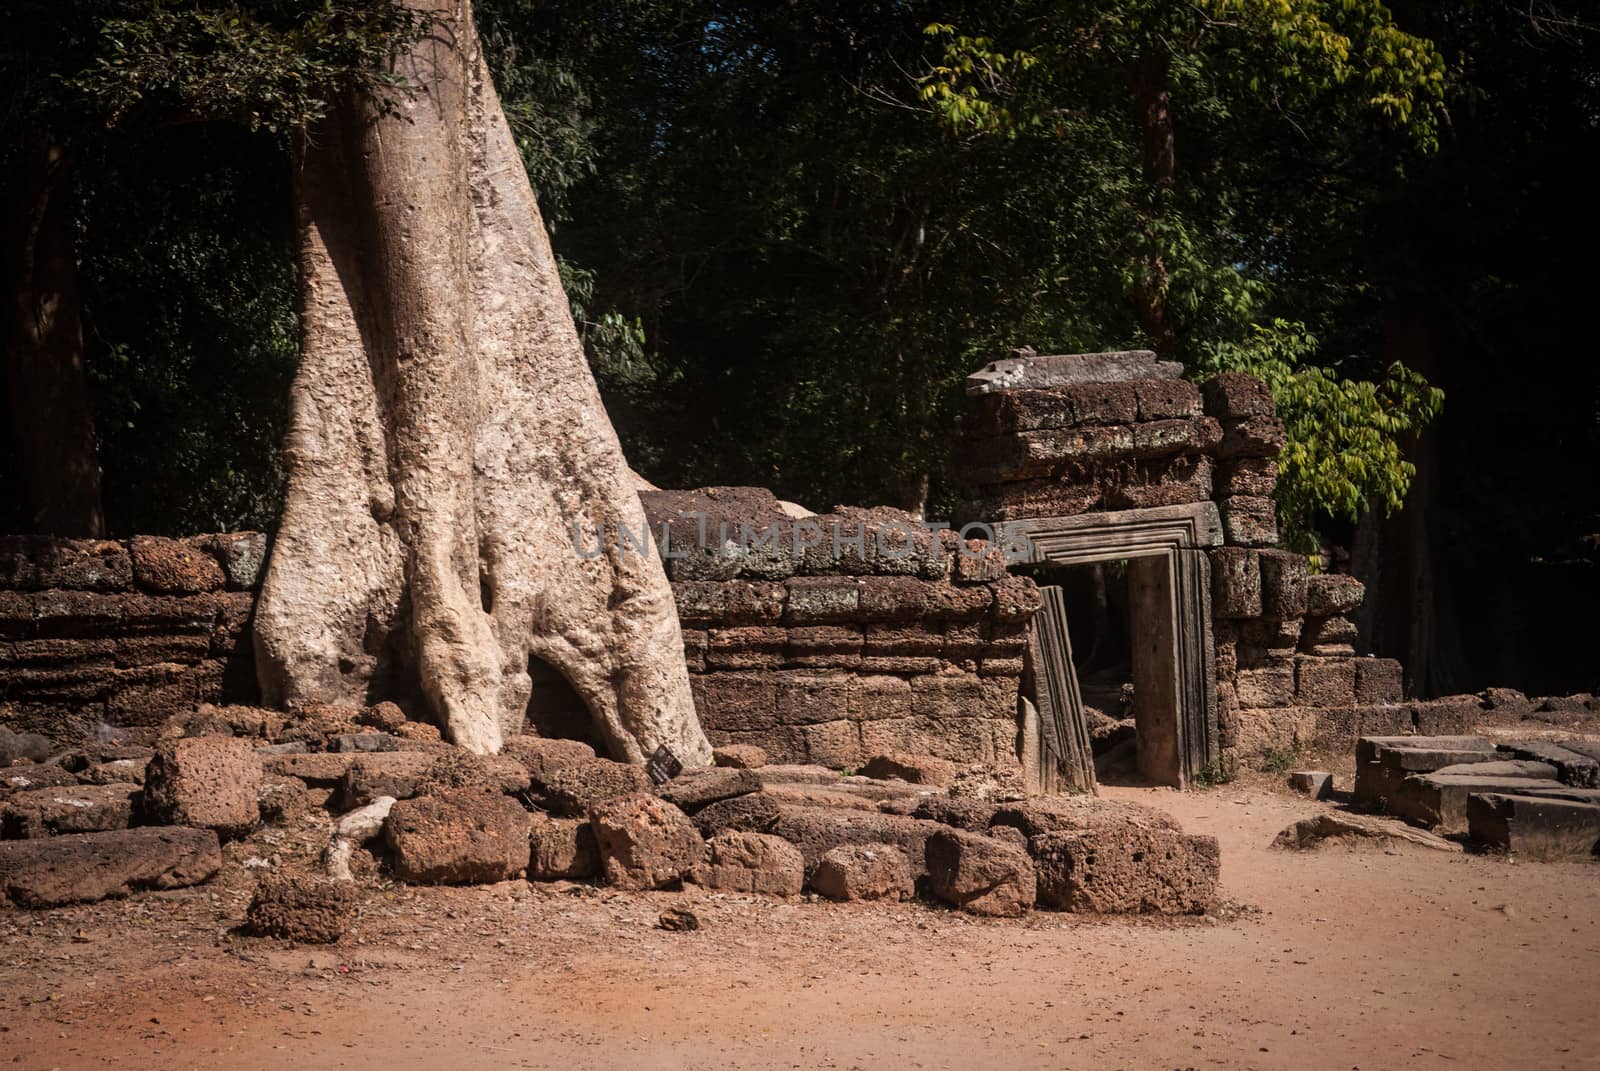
1174,670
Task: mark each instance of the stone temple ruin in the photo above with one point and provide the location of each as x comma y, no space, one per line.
896,706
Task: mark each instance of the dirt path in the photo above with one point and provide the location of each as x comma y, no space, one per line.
1341,959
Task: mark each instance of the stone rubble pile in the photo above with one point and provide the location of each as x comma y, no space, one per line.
1535,797
551,810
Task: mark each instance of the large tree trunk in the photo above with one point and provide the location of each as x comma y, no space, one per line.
50,411
446,436
1153,105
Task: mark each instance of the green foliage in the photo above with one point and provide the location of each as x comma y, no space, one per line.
1278,761
1219,771
268,64
1344,451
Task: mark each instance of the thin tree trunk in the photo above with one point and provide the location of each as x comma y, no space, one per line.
446,436
1153,106
50,410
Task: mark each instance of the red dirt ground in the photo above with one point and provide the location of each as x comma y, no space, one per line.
1341,958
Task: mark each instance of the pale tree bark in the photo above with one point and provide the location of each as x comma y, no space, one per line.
446,436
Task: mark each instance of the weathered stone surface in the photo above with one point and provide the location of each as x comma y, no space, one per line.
1235,582
306,910
562,849
1029,370
1256,436
1256,476
696,788
1234,395
368,777
740,756
1379,680
1051,814
461,836
817,830
367,743
979,874
211,781
1248,521
34,775
1127,868
1440,800
1537,826
37,563
750,863
283,799
1329,593
1318,784
572,790
48,812
916,769
168,567
1324,682
84,867
1451,714
1344,825
755,813
973,815
1266,686
1283,583
116,771
242,555
864,872
1571,767
645,842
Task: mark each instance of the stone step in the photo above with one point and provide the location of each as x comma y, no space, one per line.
1572,767
1532,771
1440,800
1535,825
1383,762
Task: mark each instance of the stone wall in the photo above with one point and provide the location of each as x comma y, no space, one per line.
122,633
1049,437
845,635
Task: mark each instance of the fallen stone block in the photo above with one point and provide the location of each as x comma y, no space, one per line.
49,812
864,872
755,813
367,743
645,842
116,771
821,796
1539,826
1572,767
1522,768
1127,869
305,910
1318,784
1384,762
463,836
573,789
916,769
750,863
980,875
1440,800
34,775
1051,814
795,773
818,830
283,799
562,849
369,777
696,788
210,781
739,756
84,867
1344,825
973,815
